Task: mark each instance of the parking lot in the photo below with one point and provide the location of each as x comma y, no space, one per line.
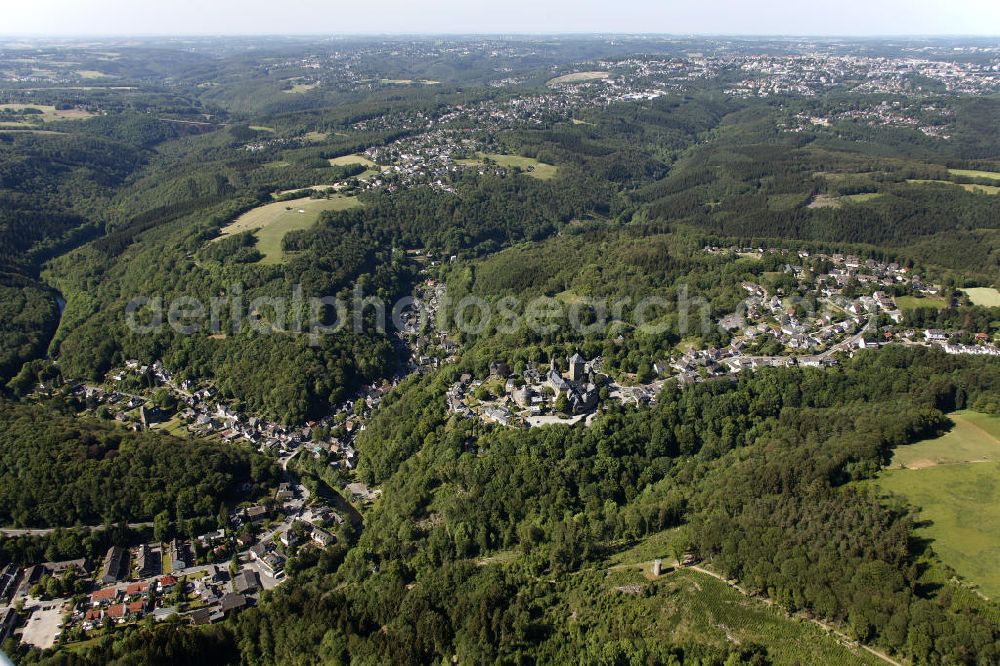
43,624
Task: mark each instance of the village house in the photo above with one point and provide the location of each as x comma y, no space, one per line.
321,536
246,582
146,563
166,584
180,558
104,596
254,513
272,563
115,565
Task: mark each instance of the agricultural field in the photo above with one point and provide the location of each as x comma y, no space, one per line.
972,173
968,187
955,481
687,605
299,87
407,82
528,165
986,296
577,77
830,201
859,198
345,160
824,201
271,222
15,116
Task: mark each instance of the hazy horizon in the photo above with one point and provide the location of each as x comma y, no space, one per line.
304,18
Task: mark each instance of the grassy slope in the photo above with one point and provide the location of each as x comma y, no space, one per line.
689,606
528,165
985,296
985,189
955,480
345,160
914,302
973,173
272,221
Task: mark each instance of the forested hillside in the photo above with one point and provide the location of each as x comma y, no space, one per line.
772,263
62,471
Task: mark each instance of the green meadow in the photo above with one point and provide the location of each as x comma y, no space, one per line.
528,165
955,482
272,221
986,296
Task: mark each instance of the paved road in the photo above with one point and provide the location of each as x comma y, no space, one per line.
43,531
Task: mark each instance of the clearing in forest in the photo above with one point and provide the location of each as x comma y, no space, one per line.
345,160
985,296
973,173
528,165
577,77
270,222
955,481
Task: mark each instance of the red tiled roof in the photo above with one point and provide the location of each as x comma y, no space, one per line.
137,588
94,614
137,607
168,580
118,610
107,594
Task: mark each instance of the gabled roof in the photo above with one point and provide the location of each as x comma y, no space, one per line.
232,601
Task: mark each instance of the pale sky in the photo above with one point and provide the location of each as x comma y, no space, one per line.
730,17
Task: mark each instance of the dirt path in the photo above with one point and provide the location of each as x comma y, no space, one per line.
844,638
975,426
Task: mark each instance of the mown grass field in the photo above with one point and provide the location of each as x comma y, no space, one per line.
969,187
973,173
407,82
577,77
92,74
271,222
859,198
528,165
914,302
48,114
955,481
345,160
688,606
299,87
985,296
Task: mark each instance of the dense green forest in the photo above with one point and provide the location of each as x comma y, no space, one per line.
758,476
63,470
490,544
